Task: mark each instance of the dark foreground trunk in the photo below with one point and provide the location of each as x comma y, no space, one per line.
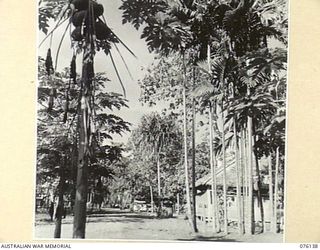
60,207
79,224
258,182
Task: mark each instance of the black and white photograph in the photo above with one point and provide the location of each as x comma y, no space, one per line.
161,120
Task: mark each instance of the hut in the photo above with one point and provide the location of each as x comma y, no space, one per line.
204,201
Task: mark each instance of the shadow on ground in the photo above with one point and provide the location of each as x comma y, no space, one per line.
105,218
119,219
127,215
208,238
109,211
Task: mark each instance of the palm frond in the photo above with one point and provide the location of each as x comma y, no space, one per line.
59,46
117,73
124,62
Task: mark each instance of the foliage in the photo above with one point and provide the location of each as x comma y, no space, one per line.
157,136
50,10
58,138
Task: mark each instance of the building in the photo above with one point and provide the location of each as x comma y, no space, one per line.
204,203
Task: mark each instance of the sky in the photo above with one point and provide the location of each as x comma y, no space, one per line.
131,37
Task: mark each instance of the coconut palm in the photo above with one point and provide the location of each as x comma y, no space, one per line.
156,133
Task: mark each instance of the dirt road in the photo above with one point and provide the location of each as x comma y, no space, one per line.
116,224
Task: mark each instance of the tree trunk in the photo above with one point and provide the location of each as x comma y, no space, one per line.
79,223
60,207
58,220
244,151
215,219
275,222
271,193
151,197
193,166
178,204
186,155
242,182
250,182
216,194
159,185
240,227
225,209
186,145
124,201
238,168
259,195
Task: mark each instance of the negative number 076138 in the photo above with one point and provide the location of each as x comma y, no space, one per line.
308,245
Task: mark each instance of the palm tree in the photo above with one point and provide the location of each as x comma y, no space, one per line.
238,176
165,33
245,33
156,133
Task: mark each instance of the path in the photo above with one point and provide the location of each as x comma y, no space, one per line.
116,224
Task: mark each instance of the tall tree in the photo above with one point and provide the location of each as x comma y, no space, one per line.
91,34
156,134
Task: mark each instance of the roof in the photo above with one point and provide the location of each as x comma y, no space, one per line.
231,178
231,175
